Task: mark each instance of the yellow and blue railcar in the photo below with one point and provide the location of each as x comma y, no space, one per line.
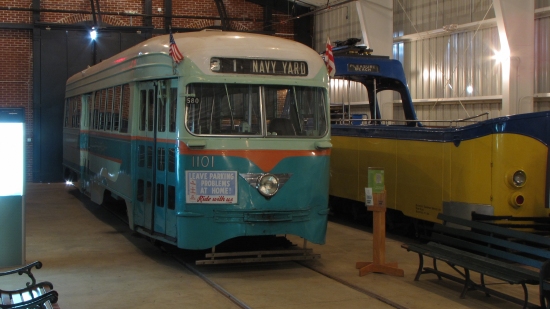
232,141
496,167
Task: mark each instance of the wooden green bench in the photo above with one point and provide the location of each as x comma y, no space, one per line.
33,295
508,255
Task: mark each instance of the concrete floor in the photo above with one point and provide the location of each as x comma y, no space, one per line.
95,261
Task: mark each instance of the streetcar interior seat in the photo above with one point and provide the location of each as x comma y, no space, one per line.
281,126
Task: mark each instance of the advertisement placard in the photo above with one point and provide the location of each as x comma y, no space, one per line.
211,187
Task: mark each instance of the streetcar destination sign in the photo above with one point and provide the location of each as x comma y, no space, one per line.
259,66
363,68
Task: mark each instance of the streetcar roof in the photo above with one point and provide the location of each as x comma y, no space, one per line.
199,47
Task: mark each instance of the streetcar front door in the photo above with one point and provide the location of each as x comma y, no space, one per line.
155,162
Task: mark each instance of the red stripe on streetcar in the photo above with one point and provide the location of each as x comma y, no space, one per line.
265,159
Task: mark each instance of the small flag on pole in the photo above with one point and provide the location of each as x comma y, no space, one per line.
329,59
174,50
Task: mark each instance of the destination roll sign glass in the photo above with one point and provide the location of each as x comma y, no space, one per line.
259,66
363,68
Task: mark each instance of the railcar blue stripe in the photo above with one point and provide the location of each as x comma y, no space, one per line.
535,125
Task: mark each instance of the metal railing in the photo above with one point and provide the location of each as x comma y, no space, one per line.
425,123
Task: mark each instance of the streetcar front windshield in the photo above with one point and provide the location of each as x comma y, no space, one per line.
261,110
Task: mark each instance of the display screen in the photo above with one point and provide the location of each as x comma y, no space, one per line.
11,159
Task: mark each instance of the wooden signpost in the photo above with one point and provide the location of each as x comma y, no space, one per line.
375,200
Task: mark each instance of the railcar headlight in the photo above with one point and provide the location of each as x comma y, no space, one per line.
519,178
268,185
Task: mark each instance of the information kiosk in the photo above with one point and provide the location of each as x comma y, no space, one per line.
12,171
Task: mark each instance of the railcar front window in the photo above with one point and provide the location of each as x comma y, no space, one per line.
261,110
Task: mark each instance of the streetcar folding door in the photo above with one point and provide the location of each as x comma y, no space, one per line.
155,180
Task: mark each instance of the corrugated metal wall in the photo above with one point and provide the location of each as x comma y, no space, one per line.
413,16
440,67
542,61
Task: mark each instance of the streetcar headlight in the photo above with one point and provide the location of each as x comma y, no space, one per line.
519,178
268,185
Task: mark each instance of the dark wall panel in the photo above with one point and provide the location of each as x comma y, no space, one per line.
48,109
58,54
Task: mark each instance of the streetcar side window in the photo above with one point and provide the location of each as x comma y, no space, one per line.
173,109
160,195
125,108
73,108
161,107
171,159
102,108
149,157
77,111
223,109
116,108
142,109
140,190
141,156
171,197
109,109
161,158
68,112
96,110
150,109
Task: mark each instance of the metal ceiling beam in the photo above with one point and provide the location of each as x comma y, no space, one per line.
35,14
268,15
94,17
148,12
167,15
223,15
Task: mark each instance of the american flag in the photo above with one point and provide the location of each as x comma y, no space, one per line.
174,51
329,59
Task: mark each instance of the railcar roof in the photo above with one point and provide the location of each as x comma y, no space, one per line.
387,68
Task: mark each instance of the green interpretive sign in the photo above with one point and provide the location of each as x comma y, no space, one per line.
376,179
